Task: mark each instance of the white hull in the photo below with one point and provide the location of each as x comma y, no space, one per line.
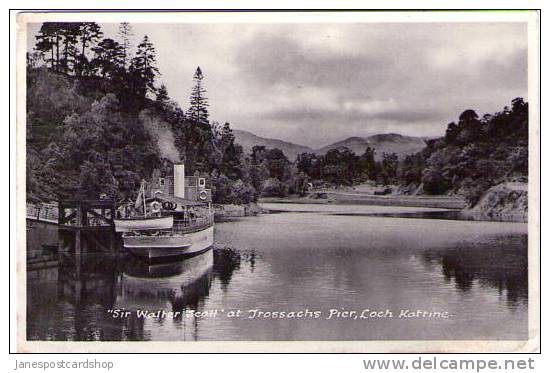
128,225
170,245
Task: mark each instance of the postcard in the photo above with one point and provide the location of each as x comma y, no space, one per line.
352,181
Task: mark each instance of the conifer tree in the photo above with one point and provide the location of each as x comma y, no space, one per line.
108,59
143,68
162,95
125,34
70,32
45,43
198,109
49,39
90,34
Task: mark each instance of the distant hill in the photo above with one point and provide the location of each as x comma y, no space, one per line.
247,140
383,143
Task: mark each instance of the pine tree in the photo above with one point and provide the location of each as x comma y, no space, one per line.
90,33
162,95
125,34
231,154
49,39
108,59
143,69
198,112
45,43
70,32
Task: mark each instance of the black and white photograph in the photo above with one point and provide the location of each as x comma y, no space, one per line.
345,181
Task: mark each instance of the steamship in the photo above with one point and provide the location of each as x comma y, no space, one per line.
172,216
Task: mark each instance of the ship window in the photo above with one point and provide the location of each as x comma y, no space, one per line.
202,182
161,181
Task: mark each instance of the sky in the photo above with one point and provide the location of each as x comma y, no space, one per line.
315,84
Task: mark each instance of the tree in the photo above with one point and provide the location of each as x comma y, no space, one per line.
273,187
411,171
32,60
340,166
231,154
368,163
48,41
388,171
90,33
257,171
107,59
469,127
70,32
125,34
198,109
309,164
104,147
277,164
162,95
143,68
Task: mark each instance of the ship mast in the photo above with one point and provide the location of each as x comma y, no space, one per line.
143,195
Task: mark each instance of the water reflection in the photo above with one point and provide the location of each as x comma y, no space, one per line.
228,261
172,286
71,297
501,264
475,270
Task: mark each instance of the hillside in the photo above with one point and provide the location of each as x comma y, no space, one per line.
247,140
383,143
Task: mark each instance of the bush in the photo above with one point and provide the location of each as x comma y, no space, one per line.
272,187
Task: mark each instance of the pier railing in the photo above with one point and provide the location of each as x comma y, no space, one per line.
45,212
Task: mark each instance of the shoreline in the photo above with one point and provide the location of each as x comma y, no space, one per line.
503,203
357,198
222,212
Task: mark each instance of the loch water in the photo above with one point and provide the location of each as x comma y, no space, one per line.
303,272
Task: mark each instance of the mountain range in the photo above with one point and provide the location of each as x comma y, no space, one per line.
383,143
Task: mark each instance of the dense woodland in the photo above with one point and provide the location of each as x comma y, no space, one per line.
99,120
474,155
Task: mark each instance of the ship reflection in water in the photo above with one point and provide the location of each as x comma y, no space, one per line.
163,293
291,261
113,297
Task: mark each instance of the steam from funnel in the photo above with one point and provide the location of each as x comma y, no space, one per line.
162,133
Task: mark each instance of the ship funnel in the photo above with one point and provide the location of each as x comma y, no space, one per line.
179,180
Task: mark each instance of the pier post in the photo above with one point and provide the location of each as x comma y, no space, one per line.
60,242
77,251
112,241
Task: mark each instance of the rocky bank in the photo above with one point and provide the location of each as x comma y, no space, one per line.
504,202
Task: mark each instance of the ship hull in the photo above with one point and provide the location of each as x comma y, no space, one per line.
158,247
153,223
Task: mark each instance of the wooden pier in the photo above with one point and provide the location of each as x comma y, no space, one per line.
81,220
86,214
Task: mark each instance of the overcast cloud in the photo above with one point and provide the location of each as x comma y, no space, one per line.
315,84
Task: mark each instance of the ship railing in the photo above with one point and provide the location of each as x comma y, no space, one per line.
193,225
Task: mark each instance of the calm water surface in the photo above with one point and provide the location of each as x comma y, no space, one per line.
308,258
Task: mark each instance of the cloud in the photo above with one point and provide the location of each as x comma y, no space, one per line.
412,78
318,83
